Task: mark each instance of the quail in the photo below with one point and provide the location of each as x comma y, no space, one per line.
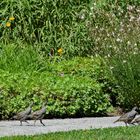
39,114
128,117
137,120
22,116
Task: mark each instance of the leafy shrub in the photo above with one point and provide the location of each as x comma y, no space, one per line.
72,89
96,69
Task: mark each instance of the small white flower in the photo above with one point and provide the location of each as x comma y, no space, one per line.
134,53
136,49
108,55
118,40
90,13
138,19
119,13
96,55
121,30
82,16
138,10
124,61
98,39
132,18
101,29
113,15
129,43
108,35
91,8
121,23
113,33
130,8
111,67
96,27
115,48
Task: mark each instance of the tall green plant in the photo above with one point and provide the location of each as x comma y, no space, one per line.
16,58
126,70
54,24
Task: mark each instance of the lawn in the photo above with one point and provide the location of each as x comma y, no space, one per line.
120,133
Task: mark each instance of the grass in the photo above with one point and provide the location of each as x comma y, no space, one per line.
120,133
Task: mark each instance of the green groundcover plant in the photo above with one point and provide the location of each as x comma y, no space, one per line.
73,88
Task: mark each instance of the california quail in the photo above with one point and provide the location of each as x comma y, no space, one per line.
128,117
22,116
39,114
137,120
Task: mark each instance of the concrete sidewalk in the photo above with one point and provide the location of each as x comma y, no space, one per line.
11,128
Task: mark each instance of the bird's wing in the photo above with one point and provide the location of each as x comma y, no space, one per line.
20,114
36,113
132,114
123,116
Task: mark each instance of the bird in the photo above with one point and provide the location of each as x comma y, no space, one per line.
137,120
128,117
22,116
39,114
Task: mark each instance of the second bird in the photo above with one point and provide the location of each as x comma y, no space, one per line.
128,117
22,116
39,114
137,120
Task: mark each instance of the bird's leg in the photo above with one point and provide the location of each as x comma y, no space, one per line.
20,123
42,122
132,123
34,122
126,124
26,121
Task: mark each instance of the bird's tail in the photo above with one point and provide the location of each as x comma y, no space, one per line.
116,121
29,116
13,118
133,122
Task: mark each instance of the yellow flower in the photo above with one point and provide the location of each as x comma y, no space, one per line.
11,18
8,24
60,51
